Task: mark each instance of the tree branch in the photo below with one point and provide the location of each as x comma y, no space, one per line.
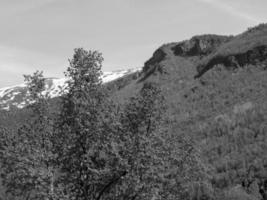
113,181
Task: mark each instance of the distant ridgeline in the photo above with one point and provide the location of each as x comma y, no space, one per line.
16,96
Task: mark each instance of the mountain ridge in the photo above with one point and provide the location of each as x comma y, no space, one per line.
16,96
189,59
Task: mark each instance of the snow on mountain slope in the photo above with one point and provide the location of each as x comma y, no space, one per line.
16,96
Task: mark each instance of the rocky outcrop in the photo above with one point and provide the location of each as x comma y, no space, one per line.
158,56
257,55
199,45
153,65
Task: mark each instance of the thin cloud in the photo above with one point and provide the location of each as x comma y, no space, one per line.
11,8
231,10
39,4
20,61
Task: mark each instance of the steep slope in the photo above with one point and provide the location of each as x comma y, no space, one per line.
173,65
216,95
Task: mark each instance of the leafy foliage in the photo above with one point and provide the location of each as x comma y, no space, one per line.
206,139
26,156
236,146
89,158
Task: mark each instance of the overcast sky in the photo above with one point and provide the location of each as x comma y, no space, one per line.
41,34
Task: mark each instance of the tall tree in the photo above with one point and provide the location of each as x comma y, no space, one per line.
88,155
142,123
26,156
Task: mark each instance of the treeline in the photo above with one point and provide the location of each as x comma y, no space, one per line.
90,148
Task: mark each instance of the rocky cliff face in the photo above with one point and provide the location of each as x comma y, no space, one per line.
200,45
255,56
208,51
188,52
158,56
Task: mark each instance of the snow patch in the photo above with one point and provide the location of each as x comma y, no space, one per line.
18,96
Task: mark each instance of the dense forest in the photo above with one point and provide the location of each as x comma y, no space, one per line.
191,125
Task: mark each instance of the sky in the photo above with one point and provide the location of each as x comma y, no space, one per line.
42,34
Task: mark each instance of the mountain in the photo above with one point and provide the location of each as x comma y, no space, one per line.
16,96
215,90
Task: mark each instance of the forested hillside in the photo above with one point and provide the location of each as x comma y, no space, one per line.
191,125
